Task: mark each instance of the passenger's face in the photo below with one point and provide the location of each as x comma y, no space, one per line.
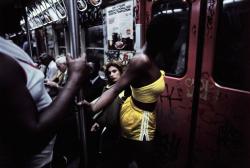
94,70
10,8
61,66
113,74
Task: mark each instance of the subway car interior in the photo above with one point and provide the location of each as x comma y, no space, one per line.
204,112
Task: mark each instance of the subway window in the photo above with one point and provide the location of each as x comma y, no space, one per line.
232,50
50,40
175,62
60,34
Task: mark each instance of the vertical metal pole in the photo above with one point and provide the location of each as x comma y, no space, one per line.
45,39
28,32
75,52
197,84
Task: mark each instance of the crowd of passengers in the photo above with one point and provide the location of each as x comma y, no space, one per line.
41,106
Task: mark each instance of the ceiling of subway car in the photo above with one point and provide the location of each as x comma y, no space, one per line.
15,2
44,12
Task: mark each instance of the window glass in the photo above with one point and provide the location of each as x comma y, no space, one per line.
94,43
50,40
60,34
95,37
232,54
179,9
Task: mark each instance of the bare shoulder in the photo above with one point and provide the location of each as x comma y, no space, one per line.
140,61
8,64
10,69
6,61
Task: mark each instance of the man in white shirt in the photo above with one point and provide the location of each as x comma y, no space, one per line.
51,68
50,71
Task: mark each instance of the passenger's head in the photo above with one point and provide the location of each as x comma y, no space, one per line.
26,47
113,72
162,32
45,58
94,62
11,12
61,63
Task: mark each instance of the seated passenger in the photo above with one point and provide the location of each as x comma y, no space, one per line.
108,119
50,66
92,89
60,79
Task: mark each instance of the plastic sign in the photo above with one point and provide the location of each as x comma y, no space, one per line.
95,2
81,5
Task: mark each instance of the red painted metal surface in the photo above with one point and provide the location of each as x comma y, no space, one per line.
174,120
222,136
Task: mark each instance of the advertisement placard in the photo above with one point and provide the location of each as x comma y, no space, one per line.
120,33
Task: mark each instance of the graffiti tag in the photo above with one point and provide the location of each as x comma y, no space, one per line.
210,17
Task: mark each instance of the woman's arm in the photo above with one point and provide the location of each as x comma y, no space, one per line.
136,65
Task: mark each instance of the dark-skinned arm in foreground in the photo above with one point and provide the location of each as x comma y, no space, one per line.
21,123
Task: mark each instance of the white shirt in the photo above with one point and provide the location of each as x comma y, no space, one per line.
51,70
35,85
93,80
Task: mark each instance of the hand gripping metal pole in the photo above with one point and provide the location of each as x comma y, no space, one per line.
75,52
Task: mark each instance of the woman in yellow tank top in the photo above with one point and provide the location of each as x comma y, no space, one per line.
137,117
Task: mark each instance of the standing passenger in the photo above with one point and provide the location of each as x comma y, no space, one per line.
92,89
28,119
138,118
95,83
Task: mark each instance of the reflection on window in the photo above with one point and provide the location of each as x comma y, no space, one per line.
95,37
50,40
180,10
232,63
94,43
60,34
34,44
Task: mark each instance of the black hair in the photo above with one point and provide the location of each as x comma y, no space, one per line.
161,34
114,64
10,16
96,61
45,58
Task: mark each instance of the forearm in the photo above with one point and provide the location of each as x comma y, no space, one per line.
59,108
106,98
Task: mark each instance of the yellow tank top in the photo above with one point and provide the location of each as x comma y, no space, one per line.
138,124
149,93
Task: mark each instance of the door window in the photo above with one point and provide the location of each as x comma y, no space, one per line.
232,54
175,64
